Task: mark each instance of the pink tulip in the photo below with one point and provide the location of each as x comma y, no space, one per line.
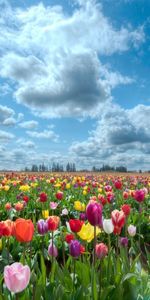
101,250
16,277
53,205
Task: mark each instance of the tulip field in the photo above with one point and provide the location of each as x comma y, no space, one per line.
74,236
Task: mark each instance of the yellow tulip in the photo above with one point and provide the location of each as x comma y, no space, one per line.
79,206
68,186
45,214
84,193
87,232
24,188
6,188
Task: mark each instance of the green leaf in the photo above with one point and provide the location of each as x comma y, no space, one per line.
128,276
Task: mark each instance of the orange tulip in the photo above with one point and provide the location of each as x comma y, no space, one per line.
24,230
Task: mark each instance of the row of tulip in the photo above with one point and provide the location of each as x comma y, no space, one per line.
74,237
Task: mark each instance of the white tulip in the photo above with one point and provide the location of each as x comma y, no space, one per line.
108,226
132,230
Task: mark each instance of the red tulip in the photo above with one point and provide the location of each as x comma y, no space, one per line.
118,184
43,197
126,208
53,222
59,195
69,237
75,225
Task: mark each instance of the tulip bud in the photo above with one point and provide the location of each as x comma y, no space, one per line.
101,250
43,197
124,241
94,213
75,248
108,226
132,230
139,195
52,250
42,227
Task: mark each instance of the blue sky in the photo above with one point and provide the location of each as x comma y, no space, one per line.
74,83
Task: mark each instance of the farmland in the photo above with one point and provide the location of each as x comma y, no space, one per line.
74,236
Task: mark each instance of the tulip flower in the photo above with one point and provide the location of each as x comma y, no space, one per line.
132,230
126,208
16,277
82,216
52,250
53,222
75,225
42,226
69,237
118,220
124,241
101,250
75,248
139,195
108,226
118,184
94,213
59,195
79,206
43,197
87,232
53,205
64,212
45,213
8,206
23,230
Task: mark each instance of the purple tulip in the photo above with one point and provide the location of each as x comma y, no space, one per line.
42,227
94,213
124,241
83,216
74,248
52,250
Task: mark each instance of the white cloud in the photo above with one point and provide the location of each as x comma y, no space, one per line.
9,122
29,124
53,59
46,134
120,137
5,113
5,136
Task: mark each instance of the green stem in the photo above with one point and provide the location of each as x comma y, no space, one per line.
100,279
94,253
24,253
74,270
63,250
8,249
52,247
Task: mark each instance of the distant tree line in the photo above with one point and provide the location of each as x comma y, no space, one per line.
55,167
105,168
71,167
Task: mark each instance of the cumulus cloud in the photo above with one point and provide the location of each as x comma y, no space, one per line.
29,124
119,137
54,62
6,136
45,134
5,113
